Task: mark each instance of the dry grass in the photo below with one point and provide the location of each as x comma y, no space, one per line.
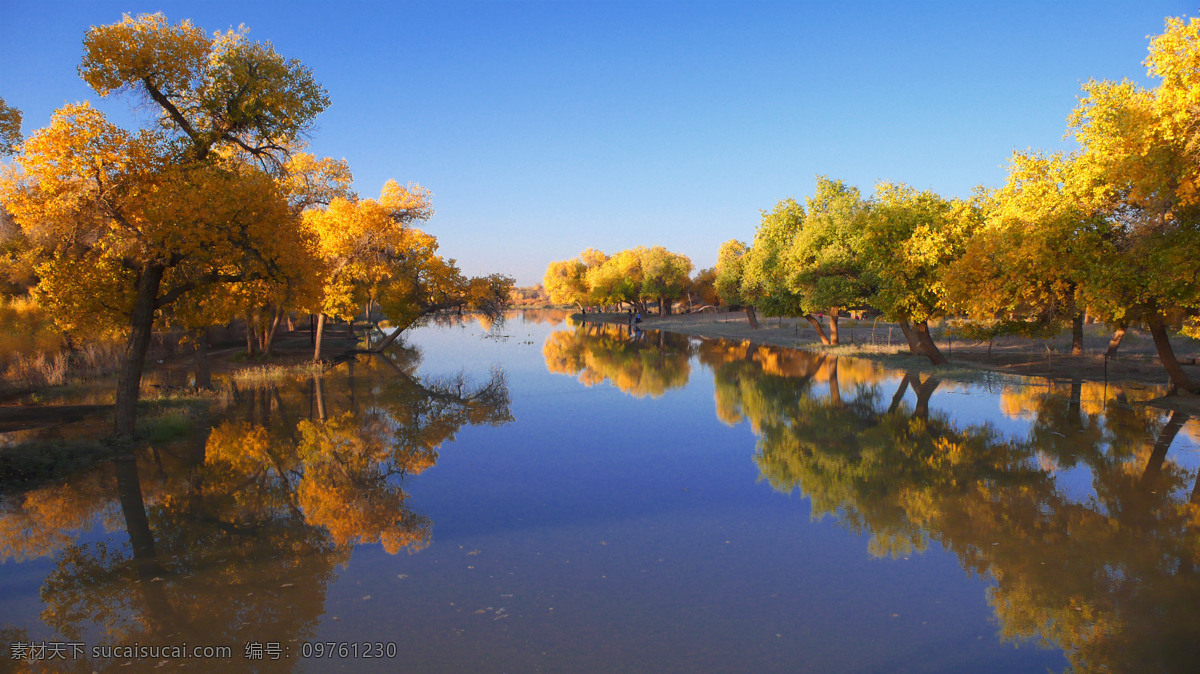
30,346
252,377
96,358
37,370
33,352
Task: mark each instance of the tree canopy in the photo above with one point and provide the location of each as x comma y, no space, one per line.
635,276
210,210
1111,231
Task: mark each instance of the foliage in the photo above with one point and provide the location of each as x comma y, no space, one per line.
223,91
823,263
10,128
26,328
1140,168
371,249
1025,263
530,296
730,270
101,204
764,270
702,288
634,276
911,238
131,224
566,282
618,279
1141,163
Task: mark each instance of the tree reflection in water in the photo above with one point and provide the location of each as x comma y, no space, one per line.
1113,579
235,533
638,363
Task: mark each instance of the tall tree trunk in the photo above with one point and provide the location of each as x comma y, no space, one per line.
249,335
927,344
387,341
914,346
1161,444
1077,335
200,361
269,335
1166,354
137,344
817,326
260,338
751,316
833,326
1115,342
318,338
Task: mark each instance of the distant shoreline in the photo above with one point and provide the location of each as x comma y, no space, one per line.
1136,361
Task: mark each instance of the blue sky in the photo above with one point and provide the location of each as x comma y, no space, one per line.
546,128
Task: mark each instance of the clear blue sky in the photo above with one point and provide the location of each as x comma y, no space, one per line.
545,128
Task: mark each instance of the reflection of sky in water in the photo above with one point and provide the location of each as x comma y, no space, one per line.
642,523
600,531
641,513
979,404
975,406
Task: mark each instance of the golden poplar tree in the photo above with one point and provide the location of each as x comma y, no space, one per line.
133,222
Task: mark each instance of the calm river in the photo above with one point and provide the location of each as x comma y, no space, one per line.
545,497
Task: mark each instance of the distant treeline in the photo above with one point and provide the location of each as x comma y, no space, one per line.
1111,231
635,277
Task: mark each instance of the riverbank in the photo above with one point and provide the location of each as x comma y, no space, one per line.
1136,361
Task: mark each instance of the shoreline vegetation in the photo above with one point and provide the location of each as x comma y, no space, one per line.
1108,234
207,213
880,340
173,396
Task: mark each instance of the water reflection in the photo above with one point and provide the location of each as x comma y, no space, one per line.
235,530
643,541
547,316
638,363
1113,579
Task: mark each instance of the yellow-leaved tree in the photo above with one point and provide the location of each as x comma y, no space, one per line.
1140,166
10,128
133,223
373,252
1022,272
911,239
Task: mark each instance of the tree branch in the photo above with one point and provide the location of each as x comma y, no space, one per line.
177,116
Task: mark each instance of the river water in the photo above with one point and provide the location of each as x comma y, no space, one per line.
538,496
